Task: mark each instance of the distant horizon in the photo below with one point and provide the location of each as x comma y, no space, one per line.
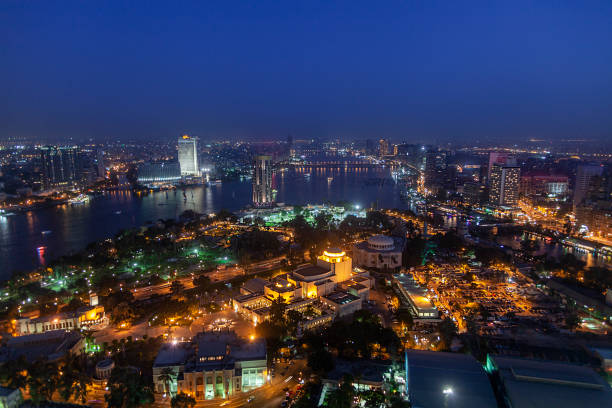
432,71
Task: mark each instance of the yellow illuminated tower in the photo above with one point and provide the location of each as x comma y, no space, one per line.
337,261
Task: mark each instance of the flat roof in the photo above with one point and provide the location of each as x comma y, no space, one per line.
51,344
173,354
341,298
535,384
438,379
311,271
416,293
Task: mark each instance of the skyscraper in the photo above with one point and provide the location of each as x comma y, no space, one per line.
435,170
101,169
61,166
383,147
262,181
188,156
500,158
584,175
505,182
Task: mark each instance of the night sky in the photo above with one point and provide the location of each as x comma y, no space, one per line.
424,70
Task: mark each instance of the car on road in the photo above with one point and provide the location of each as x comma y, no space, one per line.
251,398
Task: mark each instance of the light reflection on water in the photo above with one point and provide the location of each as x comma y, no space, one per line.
74,226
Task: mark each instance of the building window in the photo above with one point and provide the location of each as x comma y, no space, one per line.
219,379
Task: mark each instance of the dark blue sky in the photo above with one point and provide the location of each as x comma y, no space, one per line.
423,70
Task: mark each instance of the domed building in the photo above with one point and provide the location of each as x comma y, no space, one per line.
380,252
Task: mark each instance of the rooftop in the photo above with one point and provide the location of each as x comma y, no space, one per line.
438,379
534,384
255,285
311,271
52,344
173,354
341,298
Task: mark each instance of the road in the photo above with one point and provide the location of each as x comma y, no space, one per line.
218,275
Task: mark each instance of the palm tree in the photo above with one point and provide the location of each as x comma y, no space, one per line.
167,377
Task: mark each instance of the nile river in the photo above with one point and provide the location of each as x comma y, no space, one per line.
72,227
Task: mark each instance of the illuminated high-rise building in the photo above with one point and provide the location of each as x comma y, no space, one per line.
262,181
188,156
501,158
584,174
505,181
383,147
61,166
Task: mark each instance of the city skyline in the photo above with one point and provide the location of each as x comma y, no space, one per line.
411,72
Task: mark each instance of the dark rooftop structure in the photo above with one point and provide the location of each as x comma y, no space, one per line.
52,345
437,379
535,384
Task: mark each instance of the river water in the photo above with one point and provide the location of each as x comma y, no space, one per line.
72,227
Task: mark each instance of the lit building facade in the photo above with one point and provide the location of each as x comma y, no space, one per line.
157,174
188,156
61,166
213,365
380,252
504,185
383,147
85,317
262,182
332,278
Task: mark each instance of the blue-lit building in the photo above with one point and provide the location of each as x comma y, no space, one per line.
159,174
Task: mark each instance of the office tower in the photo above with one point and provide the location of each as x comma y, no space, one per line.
262,181
584,175
383,147
474,193
61,166
188,156
100,163
505,159
504,185
435,170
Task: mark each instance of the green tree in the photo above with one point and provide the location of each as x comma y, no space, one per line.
127,389
182,400
372,398
405,317
122,315
341,397
13,373
202,282
277,310
42,380
320,361
448,330
167,377
73,381
176,288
